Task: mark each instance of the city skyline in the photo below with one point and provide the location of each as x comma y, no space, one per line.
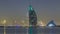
17,9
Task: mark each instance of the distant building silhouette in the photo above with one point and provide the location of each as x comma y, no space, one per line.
51,24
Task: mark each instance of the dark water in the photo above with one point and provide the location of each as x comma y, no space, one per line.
24,30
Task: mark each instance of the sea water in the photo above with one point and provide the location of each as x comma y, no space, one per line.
24,30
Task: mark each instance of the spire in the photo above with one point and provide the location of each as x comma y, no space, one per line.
30,5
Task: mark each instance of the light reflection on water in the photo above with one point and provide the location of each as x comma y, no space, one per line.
24,30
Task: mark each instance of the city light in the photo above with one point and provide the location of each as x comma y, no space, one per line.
41,23
4,21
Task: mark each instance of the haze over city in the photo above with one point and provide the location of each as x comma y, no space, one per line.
46,11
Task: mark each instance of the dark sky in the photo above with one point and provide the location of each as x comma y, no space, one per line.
46,9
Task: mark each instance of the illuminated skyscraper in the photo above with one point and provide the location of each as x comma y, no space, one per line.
32,16
32,21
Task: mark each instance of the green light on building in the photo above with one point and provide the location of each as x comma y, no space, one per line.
30,8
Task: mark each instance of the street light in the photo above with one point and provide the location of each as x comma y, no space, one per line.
4,22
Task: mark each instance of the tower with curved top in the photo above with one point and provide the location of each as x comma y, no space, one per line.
32,17
32,21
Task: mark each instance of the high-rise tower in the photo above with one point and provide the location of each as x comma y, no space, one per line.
32,21
32,17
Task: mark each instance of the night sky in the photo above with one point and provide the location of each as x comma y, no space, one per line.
46,10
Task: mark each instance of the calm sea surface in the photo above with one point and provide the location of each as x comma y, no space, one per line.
24,30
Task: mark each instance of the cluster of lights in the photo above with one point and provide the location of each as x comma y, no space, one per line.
40,23
50,24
